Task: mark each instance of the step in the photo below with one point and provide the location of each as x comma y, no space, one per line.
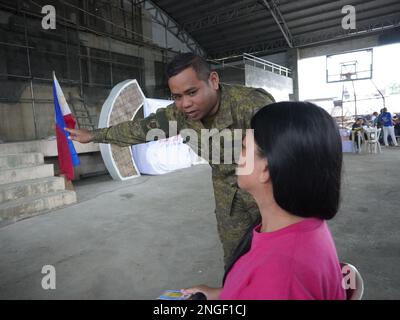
29,188
31,206
11,161
26,173
19,147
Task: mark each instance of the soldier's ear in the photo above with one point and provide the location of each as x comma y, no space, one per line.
213,80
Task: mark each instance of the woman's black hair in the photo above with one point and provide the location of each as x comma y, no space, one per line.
302,144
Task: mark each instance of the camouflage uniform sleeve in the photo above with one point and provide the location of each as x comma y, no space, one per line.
133,132
253,101
260,99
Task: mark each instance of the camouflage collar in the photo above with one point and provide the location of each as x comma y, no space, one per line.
223,118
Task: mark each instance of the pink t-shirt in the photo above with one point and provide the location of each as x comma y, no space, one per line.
296,262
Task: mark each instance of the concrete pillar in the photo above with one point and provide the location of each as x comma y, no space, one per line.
147,25
293,58
149,73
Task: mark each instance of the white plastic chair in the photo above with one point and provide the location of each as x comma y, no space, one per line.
357,140
354,291
372,142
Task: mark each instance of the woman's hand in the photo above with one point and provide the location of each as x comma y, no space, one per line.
209,292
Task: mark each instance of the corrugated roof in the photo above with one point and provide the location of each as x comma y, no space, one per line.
225,27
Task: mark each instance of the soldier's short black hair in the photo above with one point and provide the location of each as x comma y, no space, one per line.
302,144
186,60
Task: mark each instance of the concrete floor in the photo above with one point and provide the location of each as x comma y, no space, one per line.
132,240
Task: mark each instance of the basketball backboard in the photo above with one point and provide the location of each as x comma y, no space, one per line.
349,66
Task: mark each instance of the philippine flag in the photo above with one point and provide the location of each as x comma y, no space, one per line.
67,156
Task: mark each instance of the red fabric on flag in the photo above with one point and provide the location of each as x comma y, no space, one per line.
64,161
69,121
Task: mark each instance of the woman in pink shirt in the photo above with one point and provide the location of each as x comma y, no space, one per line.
294,154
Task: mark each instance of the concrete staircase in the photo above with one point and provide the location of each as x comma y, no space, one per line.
27,185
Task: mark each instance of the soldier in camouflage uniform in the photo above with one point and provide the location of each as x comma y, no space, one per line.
201,102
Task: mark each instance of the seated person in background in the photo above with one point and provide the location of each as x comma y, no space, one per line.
364,124
358,124
295,151
356,131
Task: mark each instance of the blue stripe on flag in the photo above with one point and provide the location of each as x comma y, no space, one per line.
61,124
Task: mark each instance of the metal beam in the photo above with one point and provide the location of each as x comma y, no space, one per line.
241,40
272,42
222,16
363,29
161,17
372,10
250,28
276,14
253,11
270,46
184,10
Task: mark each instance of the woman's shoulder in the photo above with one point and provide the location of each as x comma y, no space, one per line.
303,246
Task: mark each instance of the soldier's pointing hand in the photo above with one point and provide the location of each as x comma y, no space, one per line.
81,135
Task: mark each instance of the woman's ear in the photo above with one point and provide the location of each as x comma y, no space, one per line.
264,175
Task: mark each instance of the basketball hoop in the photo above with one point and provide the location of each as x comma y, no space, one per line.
349,66
346,76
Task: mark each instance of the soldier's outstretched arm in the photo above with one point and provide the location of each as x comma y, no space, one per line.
130,132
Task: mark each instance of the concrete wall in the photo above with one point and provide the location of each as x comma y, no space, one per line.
280,58
289,60
279,86
22,120
87,64
232,74
339,47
